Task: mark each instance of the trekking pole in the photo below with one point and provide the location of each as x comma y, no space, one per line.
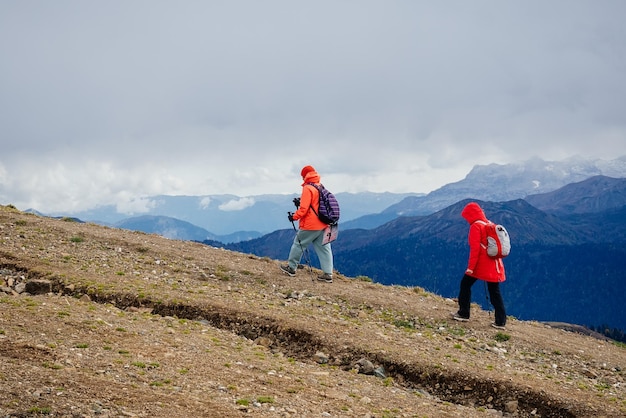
305,251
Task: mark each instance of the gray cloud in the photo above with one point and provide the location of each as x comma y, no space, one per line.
109,102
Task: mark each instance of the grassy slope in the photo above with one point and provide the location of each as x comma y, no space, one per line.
138,325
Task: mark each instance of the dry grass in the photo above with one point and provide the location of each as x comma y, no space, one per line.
123,323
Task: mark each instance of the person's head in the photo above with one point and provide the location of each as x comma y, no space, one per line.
473,212
306,170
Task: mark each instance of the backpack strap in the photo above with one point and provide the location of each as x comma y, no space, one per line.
318,191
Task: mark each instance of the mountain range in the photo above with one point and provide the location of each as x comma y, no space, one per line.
230,218
498,183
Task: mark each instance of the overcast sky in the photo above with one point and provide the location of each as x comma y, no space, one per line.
103,102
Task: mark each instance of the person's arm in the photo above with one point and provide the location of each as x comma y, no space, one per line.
305,202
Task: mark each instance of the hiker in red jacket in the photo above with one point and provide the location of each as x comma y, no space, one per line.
311,229
480,267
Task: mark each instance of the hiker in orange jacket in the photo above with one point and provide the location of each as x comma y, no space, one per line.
480,267
310,198
311,229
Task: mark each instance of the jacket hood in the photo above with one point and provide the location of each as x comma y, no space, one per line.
311,177
472,212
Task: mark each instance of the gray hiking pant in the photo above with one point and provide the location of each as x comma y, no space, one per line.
302,240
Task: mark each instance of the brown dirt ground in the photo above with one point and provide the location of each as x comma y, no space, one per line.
125,324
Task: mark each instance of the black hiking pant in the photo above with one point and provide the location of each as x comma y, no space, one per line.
465,298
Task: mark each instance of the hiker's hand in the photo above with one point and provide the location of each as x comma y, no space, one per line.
469,271
290,217
296,201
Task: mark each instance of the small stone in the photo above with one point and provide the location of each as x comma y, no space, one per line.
380,372
320,358
20,287
511,407
263,341
365,366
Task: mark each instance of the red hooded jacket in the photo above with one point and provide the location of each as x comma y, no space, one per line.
310,198
479,264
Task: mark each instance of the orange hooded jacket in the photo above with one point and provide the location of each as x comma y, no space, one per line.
479,264
310,197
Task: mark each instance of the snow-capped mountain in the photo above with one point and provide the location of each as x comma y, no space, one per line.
499,183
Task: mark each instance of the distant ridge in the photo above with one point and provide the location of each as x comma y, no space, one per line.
595,194
166,226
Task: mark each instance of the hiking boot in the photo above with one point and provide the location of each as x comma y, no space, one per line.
328,278
496,326
457,317
288,270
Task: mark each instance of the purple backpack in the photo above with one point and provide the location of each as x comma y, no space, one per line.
329,207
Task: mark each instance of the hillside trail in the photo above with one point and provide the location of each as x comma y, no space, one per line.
104,322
